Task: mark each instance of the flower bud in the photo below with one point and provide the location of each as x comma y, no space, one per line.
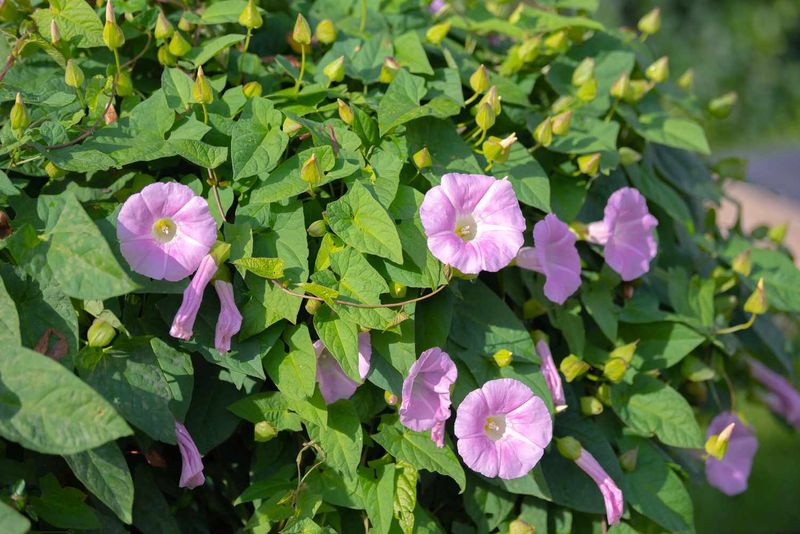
18,117
563,103
301,32
572,367
178,46
583,72
589,164
625,352
317,228
334,70
603,394
291,126
124,83
557,42
588,91
110,115
325,32
312,306
5,225
651,22
479,81
614,369
73,75
264,431
390,398
493,99
165,57
659,70
436,33
164,27
628,156
722,106
637,89
569,447
422,158
591,406
53,171
112,33
628,459
741,263
100,334
184,25
518,526
252,89
543,134
717,444
497,150
502,357
777,234
389,70
485,118
310,171
55,35
694,370
686,81
621,86
202,91
345,111
561,123
397,290
532,309
757,302
528,50
250,18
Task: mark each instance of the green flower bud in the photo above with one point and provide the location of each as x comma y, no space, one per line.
532,309
18,117
497,150
252,89
543,134
557,42
614,369
345,111
538,335
485,118
628,459
686,81
202,91
722,106
389,70
717,444
184,25
591,406
325,32
588,91
165,57
659,70
479,81
757,302
589,164
73,75
583,72
124,83
637,89
569,447
422,158
603,394
694,370
55,35
397,290
390,398
621,86
502,357
312,306
334,70
528,50
651,22
53,171
572,367
178,46
291,126
264,431
777,234
112,33
625,352
436,33
164,27
493,99
100,334
518,526
628,156
561,123
310,171
250,18
317,229
301,32
741,263
563,103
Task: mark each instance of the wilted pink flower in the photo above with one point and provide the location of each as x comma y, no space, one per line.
554,255
230,320
730,474
165,230
502,429
334,384
183,323
192,463
473,222
612,495
626,232
782,397
426,393
551,376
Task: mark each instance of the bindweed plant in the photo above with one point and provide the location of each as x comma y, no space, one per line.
466,272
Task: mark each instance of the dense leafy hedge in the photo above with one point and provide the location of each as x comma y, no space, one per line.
391,340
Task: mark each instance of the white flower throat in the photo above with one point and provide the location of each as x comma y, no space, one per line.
466,227
164,230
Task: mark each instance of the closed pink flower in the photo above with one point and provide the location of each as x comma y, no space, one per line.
183,323
192,463
551,376
730,474
612,495
473,222
426,393
554,254
781,396
334,384
230,320
626,232
165,231
502,429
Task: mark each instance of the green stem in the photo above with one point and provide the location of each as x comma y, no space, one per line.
80,97
363,25
534,148
302,68
738,327
481,138
205,113
612,110
470,99
116,60
247,41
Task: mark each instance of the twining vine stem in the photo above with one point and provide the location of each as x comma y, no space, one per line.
96,124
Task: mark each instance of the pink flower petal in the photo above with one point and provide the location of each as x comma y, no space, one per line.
551,376
334,384
730,474
465,190
426,391
558,258
612,495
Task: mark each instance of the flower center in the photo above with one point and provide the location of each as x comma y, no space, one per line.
164,230
466,227
495,426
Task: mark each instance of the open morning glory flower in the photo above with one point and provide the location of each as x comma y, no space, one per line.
554,255
730,474
426,393
473,222
192,463
612,495
229,321
626,232
165,230
502,429
551,376
781,396
183,322
334,384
